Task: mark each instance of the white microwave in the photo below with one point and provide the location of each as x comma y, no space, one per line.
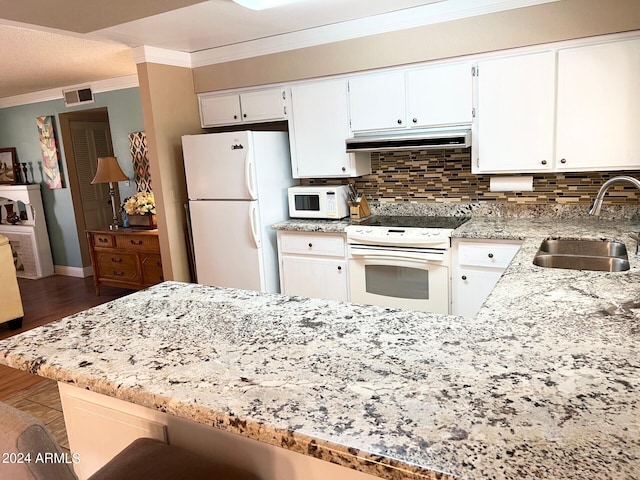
318,202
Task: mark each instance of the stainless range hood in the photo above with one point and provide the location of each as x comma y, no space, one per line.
454,137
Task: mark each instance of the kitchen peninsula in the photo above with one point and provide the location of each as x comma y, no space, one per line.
542,383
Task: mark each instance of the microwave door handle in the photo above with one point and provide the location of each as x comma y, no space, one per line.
253,222
250,174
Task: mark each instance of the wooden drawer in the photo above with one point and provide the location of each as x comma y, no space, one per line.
117,266
313,244
102,240
486,254
152,269
138,242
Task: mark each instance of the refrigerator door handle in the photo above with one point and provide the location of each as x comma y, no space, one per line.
254,222
250,175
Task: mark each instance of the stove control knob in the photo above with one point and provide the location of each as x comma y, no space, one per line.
368,230
358,230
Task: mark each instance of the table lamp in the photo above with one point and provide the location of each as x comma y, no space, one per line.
109,171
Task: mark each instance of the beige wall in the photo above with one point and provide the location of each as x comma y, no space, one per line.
564,20
170,110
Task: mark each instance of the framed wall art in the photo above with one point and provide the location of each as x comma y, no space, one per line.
8,165
50,161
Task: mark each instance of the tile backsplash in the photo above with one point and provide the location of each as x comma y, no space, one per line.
445,176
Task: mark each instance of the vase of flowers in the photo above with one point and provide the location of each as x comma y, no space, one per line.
141,210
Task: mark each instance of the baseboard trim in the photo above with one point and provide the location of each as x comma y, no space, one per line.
80,272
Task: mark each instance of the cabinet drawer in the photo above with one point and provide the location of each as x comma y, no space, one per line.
313,244
119,266
152,269
102,240
138,242
486,254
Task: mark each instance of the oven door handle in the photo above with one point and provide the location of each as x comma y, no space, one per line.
386,255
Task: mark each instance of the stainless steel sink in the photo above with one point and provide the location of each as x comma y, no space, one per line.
598,255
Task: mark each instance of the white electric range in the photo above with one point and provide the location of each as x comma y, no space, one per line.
401,261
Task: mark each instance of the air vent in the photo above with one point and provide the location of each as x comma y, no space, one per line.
78,96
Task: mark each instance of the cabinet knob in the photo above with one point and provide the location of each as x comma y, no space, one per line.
491,255
415,120
310,245
344,169
339,268
244,115
563,160
235,117
544,162
464,277
399,122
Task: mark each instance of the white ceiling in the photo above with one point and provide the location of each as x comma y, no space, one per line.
82,41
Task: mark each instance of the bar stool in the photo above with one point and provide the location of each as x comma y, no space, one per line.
144,459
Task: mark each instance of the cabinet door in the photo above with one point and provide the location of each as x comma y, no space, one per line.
263,105
316,278
377,102
599,107
219,110
318,129
514,124
470,288
440,96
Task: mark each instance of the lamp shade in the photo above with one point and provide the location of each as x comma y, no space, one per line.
109,171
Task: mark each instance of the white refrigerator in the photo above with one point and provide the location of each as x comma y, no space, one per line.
237,187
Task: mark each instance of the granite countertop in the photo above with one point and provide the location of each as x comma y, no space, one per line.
542,383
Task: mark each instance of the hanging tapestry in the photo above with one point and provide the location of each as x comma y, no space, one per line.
51,165
138,148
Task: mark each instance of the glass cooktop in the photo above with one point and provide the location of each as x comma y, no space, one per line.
399,221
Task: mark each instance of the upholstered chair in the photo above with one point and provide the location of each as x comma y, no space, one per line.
10,301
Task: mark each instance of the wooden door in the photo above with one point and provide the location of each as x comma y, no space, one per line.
92,140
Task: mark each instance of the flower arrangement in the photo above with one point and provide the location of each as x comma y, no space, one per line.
143,203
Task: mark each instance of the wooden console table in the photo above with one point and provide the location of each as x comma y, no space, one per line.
125,258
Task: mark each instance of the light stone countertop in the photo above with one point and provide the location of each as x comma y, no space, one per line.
543,383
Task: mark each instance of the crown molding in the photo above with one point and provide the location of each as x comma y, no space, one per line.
388,22
99,86
147,54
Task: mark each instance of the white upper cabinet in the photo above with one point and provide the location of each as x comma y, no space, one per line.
219,110
514,124
377,101
426,97
249,107
318,127
579,113
599,107
439,96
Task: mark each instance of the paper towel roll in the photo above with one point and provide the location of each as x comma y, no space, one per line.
511,184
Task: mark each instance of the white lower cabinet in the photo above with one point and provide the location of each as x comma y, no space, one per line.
477,267
313,265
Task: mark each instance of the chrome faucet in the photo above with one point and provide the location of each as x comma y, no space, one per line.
597,204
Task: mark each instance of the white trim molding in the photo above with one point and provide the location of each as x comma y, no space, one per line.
430,14
147,54
78,272
99,86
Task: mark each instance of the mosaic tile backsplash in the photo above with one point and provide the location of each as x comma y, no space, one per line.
445,176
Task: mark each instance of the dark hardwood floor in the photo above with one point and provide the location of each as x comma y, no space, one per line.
44,301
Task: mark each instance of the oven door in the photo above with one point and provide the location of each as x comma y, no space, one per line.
413,279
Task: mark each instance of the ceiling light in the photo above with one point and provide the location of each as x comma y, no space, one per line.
263,4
